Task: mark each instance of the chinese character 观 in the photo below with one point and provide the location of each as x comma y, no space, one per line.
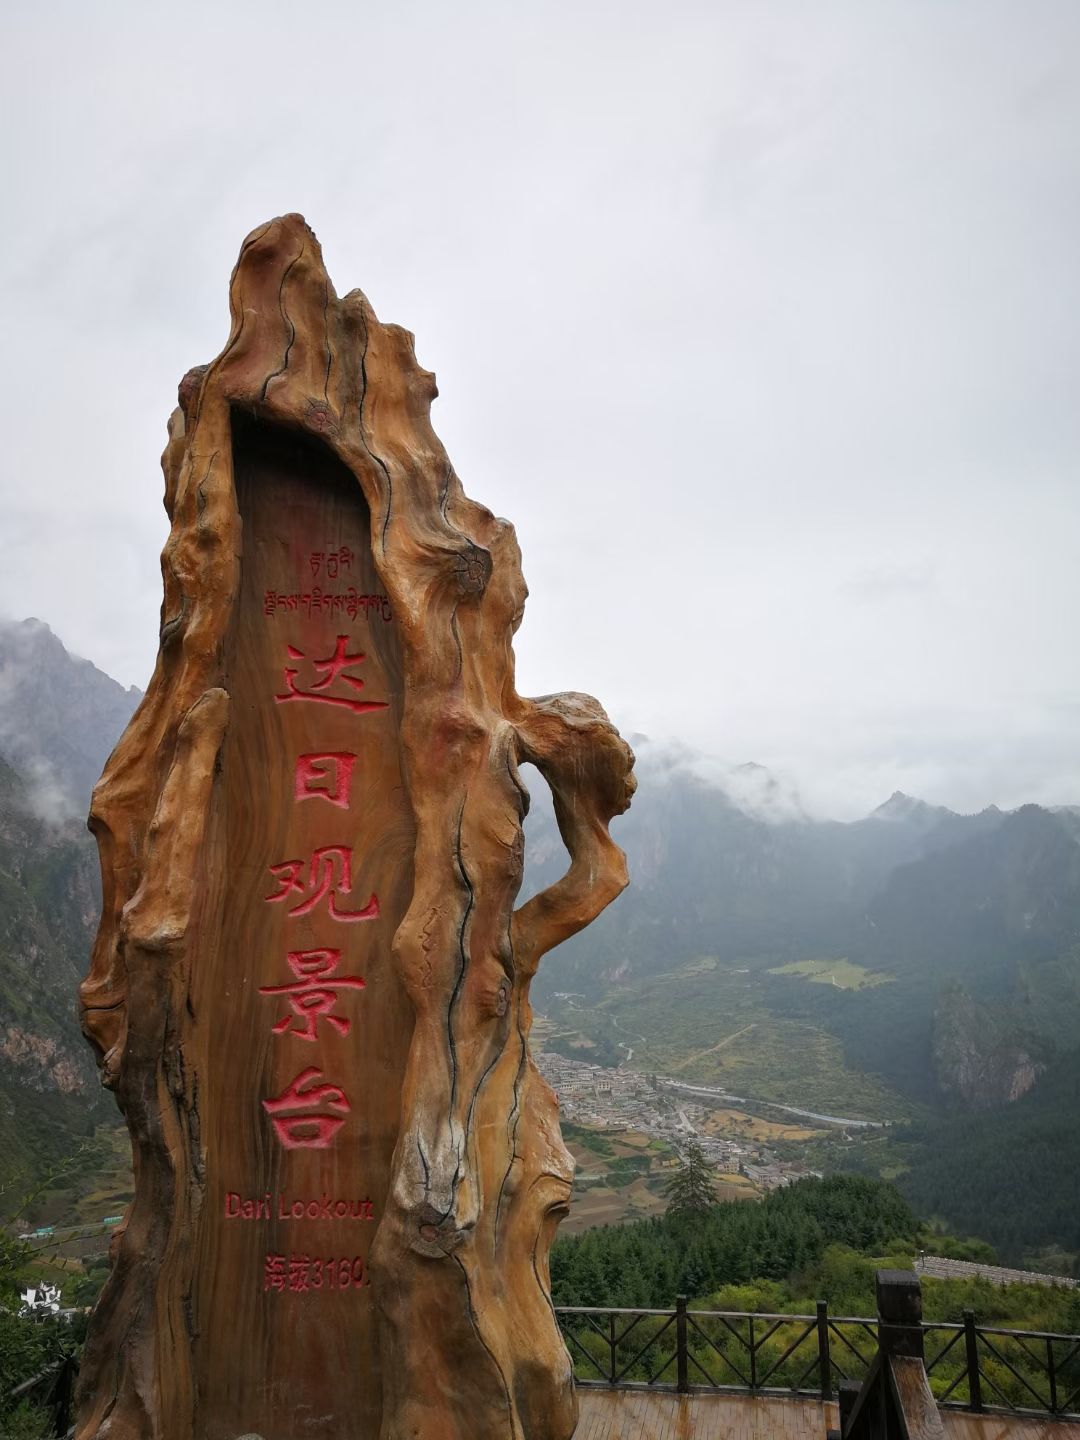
329,877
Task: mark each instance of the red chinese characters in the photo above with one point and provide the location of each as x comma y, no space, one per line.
335,667
311,1110
308,1113
275,1272
328,877
299,1273
325,775
302,1274
313,994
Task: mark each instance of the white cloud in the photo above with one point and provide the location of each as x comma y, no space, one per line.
758,319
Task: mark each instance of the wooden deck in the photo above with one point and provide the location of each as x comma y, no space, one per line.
634,1415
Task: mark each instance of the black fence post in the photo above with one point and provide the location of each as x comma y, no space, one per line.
899,1307
682,1381
611,1347
65,1394
824,1358
847,1397
1051,1375
971,1344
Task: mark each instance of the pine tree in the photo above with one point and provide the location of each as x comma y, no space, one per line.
690,1190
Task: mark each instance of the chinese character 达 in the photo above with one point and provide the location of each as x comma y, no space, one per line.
312,995
297,1118
325,775
334,667
329,877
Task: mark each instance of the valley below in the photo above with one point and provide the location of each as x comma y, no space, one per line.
896,997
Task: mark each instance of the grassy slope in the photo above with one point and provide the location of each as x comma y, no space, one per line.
724,1026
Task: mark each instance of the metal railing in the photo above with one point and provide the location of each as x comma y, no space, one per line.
1019,1372
52,1392
969,1366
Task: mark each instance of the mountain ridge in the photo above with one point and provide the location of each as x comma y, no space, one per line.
957,937
59,717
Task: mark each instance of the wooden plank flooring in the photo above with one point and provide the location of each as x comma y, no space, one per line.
637,1415
633,1415
1001,1427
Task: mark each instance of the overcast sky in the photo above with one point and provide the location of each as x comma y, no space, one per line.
759,320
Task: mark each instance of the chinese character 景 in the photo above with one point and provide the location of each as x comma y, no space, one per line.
313,995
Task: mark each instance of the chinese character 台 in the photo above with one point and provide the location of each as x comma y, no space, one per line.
308,1114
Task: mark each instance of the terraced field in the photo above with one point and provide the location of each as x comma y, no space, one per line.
725,1026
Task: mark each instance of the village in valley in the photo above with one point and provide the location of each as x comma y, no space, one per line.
605,1110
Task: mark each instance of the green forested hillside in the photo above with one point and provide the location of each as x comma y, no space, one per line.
914,895
819,1240
1011,1175
815,1240
649,1262
59,718
49,1096
913,966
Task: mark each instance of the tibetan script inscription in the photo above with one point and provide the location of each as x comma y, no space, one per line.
305,1024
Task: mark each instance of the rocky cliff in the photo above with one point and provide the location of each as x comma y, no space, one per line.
59,717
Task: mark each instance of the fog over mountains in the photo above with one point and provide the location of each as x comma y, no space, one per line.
964,929
59,717
956,915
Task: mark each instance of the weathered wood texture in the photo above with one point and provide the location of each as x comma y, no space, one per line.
311,430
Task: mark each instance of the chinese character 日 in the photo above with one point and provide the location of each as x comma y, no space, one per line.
297,1118
334,667
312,995
326,776
329,877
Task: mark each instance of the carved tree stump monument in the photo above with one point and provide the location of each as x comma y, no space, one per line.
310,989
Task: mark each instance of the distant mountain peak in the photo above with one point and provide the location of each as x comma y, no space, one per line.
60,716
757,792
907,807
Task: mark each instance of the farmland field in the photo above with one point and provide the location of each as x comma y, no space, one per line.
842,974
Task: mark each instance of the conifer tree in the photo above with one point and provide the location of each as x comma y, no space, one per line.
690,1190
